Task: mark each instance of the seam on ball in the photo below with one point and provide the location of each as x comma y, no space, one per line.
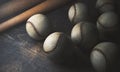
82,37
109,3
106,28
107,61
73,20
34,29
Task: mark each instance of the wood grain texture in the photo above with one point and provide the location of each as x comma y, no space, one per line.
43,7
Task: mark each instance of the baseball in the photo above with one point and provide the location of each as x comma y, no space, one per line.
107,24
77,12
105,5
59,47
38,27
85,35
104,56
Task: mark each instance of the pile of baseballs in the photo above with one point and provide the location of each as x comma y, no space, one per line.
94,40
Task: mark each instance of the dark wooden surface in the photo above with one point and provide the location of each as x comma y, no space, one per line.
20,53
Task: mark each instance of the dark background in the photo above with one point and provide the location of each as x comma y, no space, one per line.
20,53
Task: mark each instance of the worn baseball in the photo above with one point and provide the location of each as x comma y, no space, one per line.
59,47
38,27
104,56
107,24
78,12
85,35
105,5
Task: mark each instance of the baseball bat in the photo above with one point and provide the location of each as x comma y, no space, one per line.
15,7
44,7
